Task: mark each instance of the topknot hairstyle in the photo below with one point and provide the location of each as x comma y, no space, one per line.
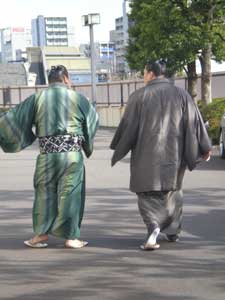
57,73
158,67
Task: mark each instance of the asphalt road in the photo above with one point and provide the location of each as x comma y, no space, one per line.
112,266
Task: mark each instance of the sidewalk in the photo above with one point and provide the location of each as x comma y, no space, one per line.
112,267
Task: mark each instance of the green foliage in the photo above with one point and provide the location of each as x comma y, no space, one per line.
175,31
213,113
158,32
208,17
3,109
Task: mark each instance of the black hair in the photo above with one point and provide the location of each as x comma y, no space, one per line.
158,67
57,73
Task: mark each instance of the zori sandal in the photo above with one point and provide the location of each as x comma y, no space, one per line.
75,244
147,247
31,244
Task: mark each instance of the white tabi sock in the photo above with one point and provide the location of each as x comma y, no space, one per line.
153,236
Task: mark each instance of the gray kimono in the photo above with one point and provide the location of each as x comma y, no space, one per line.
165,132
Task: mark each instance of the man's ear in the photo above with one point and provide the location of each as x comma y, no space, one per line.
151,76
67,81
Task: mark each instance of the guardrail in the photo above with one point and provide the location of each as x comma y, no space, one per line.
108,94
113,93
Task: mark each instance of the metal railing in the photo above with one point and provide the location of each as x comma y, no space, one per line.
110,93
113,93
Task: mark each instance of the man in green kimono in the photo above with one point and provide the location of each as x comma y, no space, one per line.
65,124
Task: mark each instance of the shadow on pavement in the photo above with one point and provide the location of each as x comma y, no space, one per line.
112,220
112,266
216,163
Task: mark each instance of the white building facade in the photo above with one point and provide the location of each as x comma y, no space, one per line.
50,31
106,59
13,40
120,37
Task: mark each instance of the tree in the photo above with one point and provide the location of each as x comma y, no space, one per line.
177,30
209,17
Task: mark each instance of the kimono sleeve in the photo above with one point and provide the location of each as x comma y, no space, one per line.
127,131
197,141
16,126
90,125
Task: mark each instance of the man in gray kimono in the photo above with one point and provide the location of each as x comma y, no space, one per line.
165,132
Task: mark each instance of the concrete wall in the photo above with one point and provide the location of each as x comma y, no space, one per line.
12,74
110,116
218,85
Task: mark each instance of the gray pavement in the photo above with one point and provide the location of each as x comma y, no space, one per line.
112,266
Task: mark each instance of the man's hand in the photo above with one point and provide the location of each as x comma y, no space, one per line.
207,155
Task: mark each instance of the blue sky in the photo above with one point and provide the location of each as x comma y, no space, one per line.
20,12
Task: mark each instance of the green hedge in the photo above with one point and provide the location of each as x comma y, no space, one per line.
213,113
2,109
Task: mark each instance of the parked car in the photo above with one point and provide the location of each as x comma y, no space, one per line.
222,137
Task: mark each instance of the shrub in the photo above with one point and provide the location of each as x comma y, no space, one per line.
3,109
213,113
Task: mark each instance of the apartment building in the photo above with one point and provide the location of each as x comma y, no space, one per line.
120,37
49,31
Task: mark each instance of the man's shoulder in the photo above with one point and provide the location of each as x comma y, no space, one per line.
75,95
72,91
137,94
181,90
81,100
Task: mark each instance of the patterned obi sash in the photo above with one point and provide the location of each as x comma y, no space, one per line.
60,143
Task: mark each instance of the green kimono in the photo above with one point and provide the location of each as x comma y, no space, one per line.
59,179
